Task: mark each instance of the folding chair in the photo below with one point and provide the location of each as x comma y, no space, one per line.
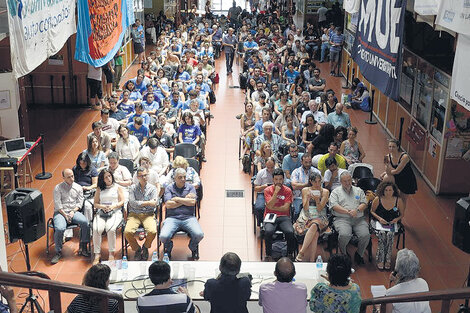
129,164
199,191
186,150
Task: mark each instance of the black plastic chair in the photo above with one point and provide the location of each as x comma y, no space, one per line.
368,183
362,172
186,150
141,229
199,191
129,164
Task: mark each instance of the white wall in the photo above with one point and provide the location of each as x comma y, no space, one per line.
3,246
9,117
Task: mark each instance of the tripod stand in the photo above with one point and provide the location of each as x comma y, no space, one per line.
464,308
31,299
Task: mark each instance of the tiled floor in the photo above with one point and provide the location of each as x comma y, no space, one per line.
227,222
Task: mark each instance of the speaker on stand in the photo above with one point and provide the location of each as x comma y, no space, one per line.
461,237
26,222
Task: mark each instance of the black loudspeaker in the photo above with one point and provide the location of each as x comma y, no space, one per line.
461,229
25,210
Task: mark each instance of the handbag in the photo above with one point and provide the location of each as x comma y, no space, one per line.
105,215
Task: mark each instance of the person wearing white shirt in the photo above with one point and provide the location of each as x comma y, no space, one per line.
332,174
109,124
127,145
319,116
157,156
406,281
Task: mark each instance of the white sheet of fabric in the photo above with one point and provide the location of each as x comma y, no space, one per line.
459,90
351,6
38,30
454,15
426,7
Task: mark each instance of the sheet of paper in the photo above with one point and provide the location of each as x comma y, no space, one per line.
378,290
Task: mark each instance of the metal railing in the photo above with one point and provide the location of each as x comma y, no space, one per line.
55,288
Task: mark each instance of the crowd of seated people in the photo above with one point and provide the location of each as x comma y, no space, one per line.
297,139
124,174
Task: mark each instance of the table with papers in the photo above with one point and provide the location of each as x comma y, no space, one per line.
134,281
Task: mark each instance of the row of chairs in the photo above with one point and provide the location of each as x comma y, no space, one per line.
364,179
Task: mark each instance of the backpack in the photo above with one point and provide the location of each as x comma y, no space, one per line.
279,249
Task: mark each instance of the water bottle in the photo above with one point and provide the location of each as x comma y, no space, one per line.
319,262
124,263
166,258
154,256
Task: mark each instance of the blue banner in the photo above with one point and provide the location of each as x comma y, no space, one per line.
377,46
101,28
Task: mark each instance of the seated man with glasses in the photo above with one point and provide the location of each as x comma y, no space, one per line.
142,202
180,202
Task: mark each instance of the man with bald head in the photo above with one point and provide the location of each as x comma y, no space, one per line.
338,117
282,295
68,201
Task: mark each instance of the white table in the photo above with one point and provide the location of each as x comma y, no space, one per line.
136,276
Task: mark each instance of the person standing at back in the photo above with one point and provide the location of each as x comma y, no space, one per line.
228,293
283,295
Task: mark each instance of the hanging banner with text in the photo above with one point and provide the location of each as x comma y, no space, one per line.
459,90
38,30
101,28
426,7
351,6
377,46
454,15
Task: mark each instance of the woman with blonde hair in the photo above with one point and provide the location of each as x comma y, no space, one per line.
266,152
192,176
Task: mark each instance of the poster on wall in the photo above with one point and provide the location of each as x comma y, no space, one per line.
101,28
426,7
454,15
377,46
38,29
461,72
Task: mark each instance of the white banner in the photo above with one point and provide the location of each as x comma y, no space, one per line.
459,90
426,7
454,15
351,6
38,30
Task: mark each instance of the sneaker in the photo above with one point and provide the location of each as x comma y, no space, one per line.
56,258
238,116
138,254
268,258
145,254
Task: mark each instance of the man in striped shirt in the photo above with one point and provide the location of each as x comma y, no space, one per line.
336,45
162,298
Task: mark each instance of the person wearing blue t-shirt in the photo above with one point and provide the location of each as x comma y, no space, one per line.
125,104
175,100
181,75
291,74
139,130
134,94
141,81
139,112
192,95
250,44
290,162
188,132
199,81
150,106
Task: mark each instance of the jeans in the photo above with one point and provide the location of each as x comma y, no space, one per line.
60,224
190,225
260,204
297,206
229,60
324,47
284,224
